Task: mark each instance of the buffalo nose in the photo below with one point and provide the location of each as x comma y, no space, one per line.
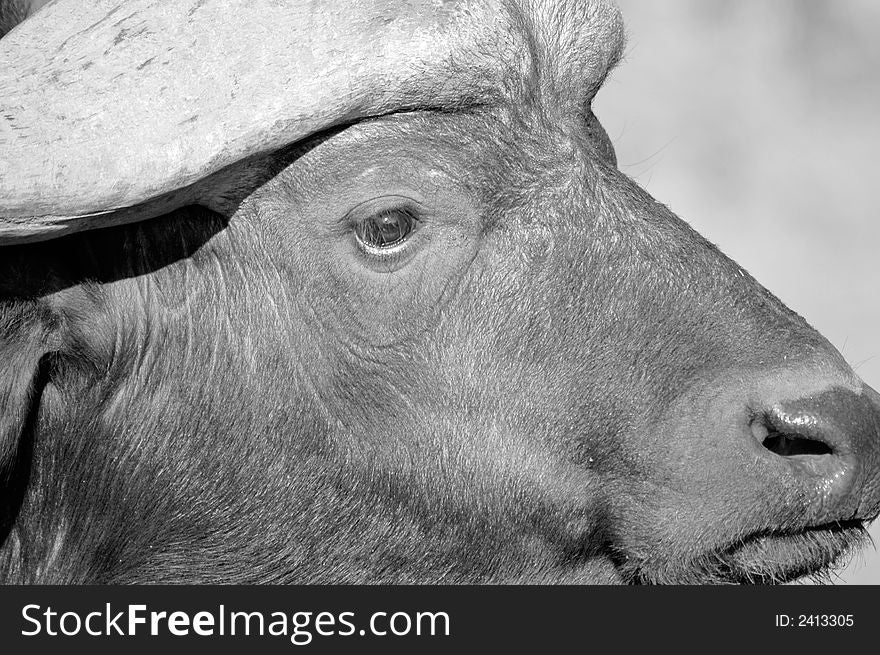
829,445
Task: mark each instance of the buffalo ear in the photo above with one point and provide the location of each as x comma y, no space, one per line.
24,346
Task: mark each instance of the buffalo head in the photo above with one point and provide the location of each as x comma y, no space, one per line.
298,291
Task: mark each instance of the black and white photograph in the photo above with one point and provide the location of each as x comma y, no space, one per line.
416,294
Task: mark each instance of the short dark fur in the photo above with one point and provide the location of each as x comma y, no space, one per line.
12,12
245,396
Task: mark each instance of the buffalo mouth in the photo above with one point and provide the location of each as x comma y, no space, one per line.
773,557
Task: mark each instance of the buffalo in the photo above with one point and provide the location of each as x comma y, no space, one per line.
298,292
12,12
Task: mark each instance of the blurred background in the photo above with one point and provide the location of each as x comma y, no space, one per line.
759,123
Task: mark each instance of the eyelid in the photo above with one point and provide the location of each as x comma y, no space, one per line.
387,203
406,211
386,260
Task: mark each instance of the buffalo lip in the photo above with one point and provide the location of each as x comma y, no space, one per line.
761,557
772,557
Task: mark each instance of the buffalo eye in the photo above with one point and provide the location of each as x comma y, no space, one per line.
385,229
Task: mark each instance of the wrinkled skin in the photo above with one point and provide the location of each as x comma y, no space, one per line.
553,379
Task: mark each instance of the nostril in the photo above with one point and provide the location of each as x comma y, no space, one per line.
822,452
788,444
